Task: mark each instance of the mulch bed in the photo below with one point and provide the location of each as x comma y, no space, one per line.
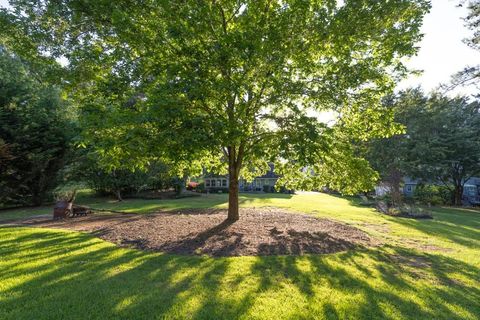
265,231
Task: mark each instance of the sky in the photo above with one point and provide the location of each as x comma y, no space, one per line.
442,51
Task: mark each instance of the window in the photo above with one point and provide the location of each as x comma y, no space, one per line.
224,182
471,191
213,182
207,183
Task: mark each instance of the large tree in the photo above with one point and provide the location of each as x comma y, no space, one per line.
34,134
390,156
441,142
444,142
232,84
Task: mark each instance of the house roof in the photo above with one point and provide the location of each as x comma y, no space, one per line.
271,173
409,180
473,180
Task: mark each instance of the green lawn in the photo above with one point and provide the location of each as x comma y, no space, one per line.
427,269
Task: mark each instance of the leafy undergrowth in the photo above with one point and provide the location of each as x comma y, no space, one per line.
404,211
428,269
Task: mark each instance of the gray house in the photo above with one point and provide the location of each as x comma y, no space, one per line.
409,186
216,182
266,182
408,189
471,190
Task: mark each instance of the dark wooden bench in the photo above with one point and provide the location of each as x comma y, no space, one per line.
80,211
65,209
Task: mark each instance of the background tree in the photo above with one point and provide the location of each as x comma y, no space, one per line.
388,156
231,84
123,182
441,142
445,142
34,134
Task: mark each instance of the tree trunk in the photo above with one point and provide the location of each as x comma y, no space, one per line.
233,214
118,194
458,195
37,199
181,186
39,191
394,180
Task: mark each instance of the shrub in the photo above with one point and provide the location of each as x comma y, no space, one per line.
446,194
415,212
124,182
201,187
388,199
218,190
405,210
431,195
268,189
192,185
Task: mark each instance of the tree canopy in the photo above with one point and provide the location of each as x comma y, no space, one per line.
34,133
229,85
441,143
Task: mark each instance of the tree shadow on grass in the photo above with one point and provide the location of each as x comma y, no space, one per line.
153,205
293,242
400,279
76,276
459,225
450,224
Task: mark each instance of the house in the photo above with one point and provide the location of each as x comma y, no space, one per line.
382,189
262,183
409,186
471,192
266,182
216,182
471,189
408,189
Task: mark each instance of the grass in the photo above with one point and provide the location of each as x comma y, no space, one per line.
427,269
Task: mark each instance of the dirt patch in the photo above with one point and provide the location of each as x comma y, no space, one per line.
381,228
412,261
422,246
431,247
258,232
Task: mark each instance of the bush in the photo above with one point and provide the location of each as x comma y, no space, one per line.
67,191
405,211
283,189
268,189
446,194
432,195
201,187
218,190
388,199
124,182
415,212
